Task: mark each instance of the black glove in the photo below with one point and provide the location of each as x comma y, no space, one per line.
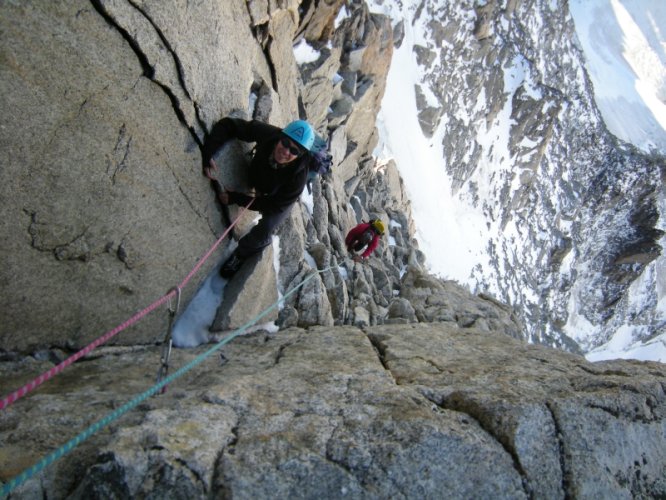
214,140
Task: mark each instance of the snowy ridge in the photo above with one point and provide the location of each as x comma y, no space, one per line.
626,59
517,188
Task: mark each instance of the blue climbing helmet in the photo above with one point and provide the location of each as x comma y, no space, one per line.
300,132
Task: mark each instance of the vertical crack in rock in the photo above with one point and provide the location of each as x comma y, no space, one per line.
282,348
231,446
301,106
122,148
262,34
279,354
271,66
217,482
179,67
192,205
148,69
566,472
193,473
337,458
458,403
165,41
380,349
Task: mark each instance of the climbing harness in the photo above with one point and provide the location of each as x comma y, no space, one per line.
167,343
100,424
363,240
33,384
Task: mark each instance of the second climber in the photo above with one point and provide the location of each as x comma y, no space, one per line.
363,239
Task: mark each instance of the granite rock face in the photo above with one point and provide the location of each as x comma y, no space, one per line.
100,150
382,381
387,411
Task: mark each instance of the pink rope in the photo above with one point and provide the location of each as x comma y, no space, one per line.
196,268
30,386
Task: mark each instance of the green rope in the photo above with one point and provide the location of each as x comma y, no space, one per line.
100,424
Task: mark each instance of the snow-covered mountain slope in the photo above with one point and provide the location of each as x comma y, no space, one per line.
624,43
520,186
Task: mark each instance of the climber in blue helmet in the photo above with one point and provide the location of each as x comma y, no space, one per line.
277,172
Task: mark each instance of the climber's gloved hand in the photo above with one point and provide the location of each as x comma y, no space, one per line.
213,141
210,170
223,197
221,192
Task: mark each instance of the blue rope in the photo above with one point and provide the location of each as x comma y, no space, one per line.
100,424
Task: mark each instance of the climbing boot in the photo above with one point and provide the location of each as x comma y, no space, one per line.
231,265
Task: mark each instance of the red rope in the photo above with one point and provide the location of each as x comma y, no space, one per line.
30,386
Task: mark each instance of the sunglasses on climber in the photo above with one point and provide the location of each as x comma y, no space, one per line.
294,150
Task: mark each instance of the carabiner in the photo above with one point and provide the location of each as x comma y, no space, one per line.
167,343
173,312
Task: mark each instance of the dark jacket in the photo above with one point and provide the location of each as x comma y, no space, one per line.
277,188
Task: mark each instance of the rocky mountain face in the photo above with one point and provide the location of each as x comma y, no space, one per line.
398,411
572,213
113,152
382,380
